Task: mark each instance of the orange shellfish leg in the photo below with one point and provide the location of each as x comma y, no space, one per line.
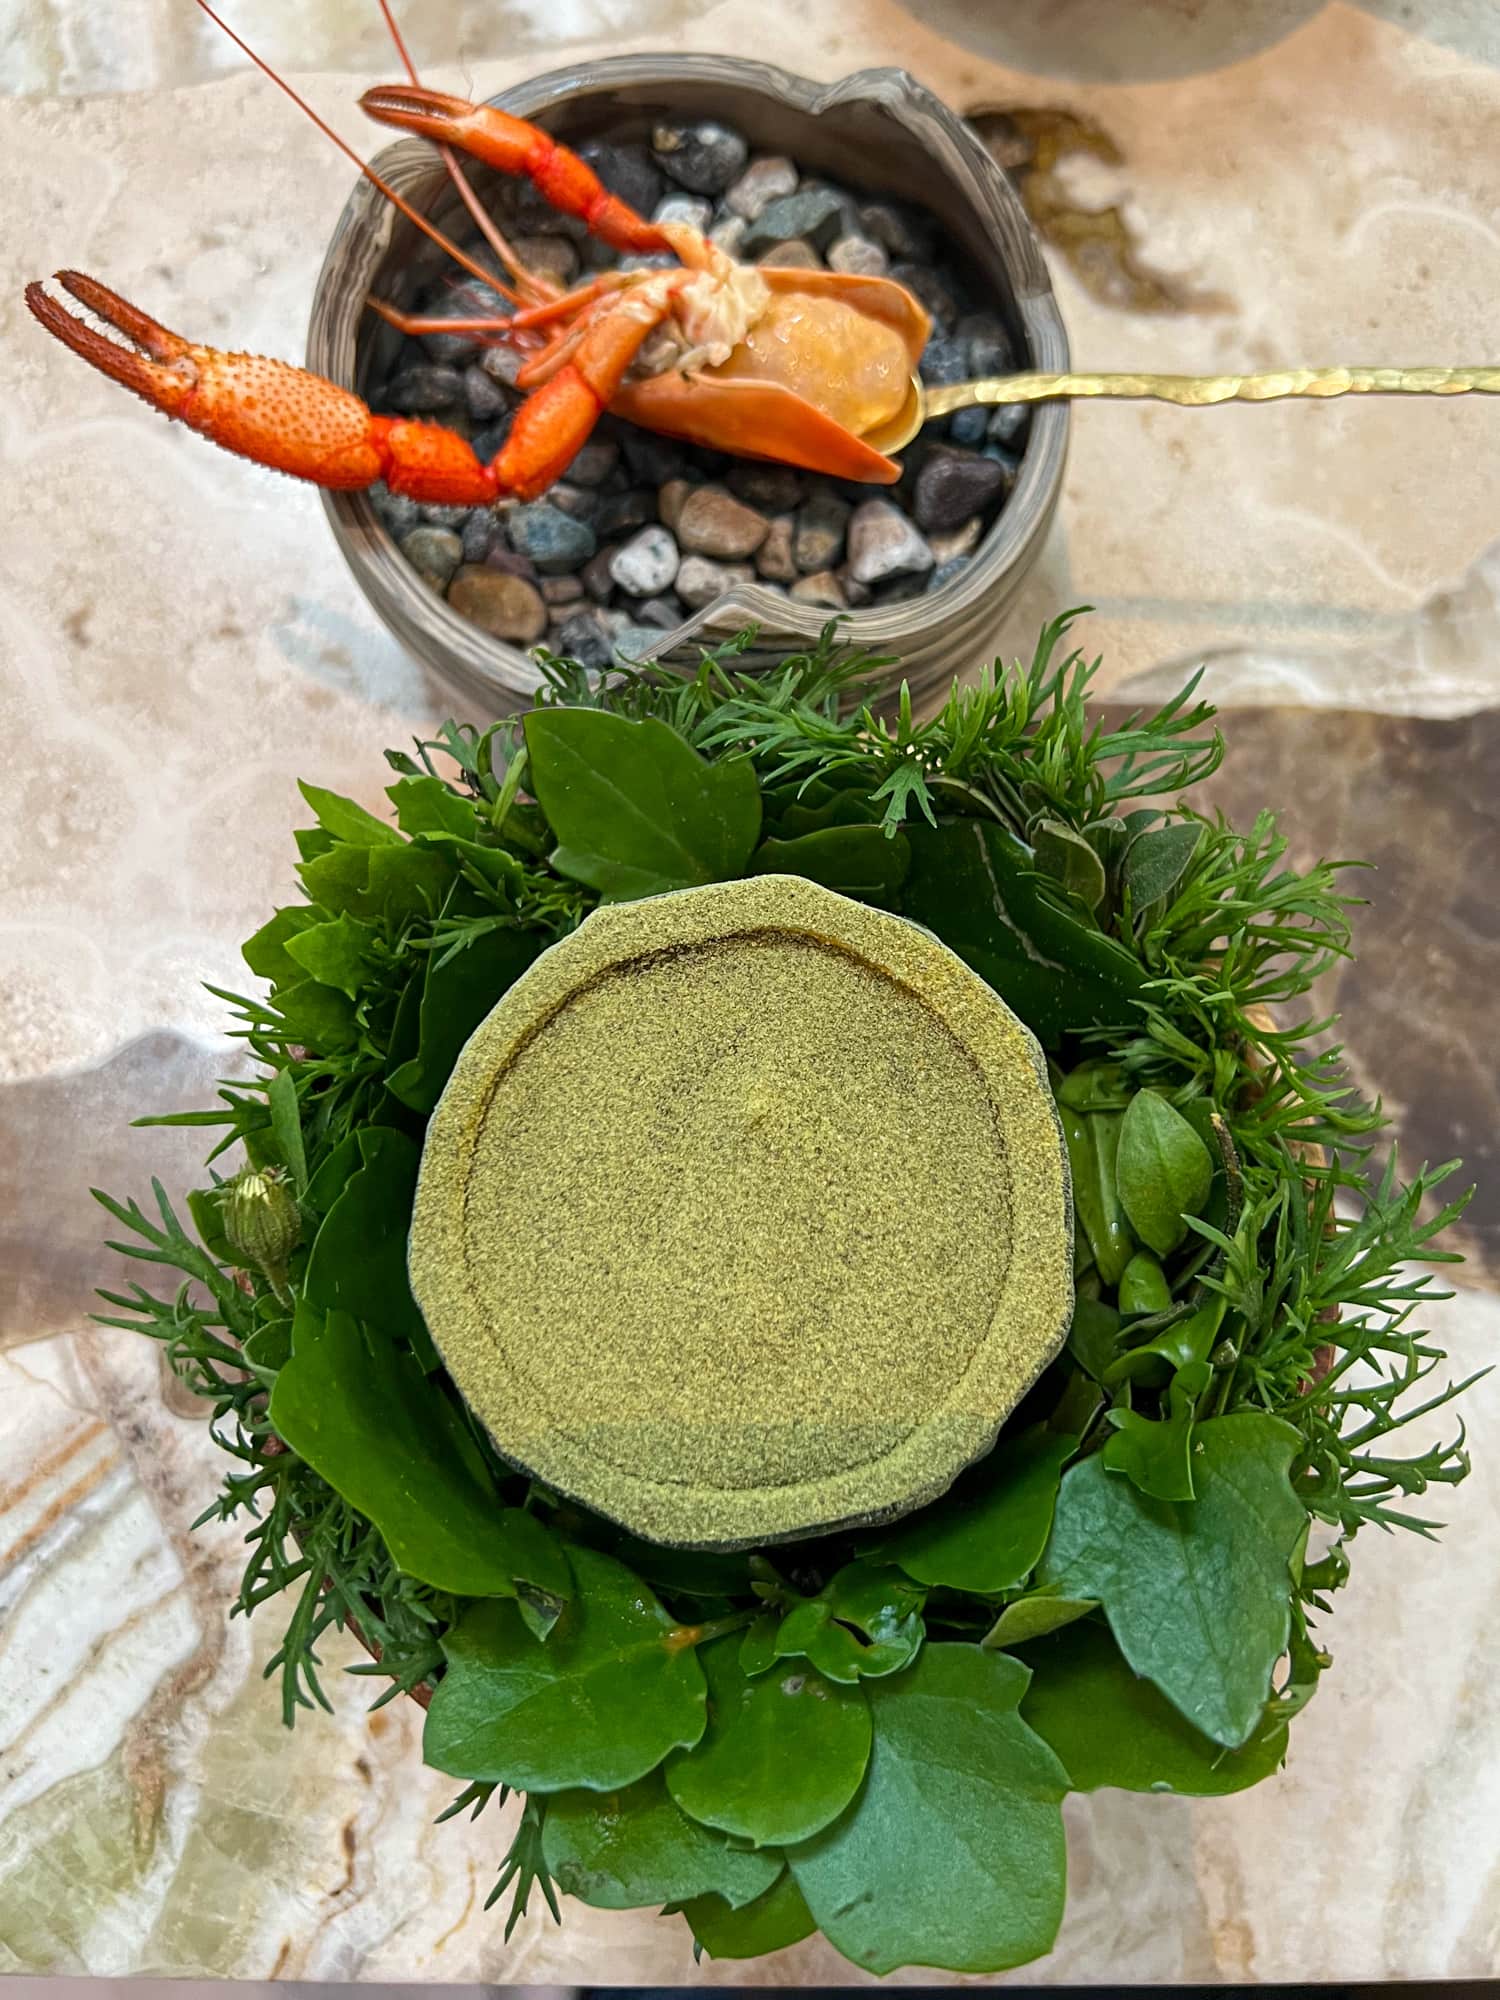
512,146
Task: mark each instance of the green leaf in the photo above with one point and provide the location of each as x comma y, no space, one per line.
409,881
361,1412
1032,1616
865,1622
1156,862
358,1261
1198,1593
339,879
266,953
953,1855
457,995
1110,1727
1092,1336
286,1125
1156,1453
629,1849
335,953
856,860
609,1695
772,1922
347,821
1163,1171
988,1533
1068,858
973,884
316,1016
634,808
427,805
268,1350
782,1755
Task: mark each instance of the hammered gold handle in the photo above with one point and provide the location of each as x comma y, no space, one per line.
1196,391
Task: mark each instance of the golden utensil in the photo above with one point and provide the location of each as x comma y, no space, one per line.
1192,391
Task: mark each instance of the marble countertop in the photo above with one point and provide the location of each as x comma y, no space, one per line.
178,639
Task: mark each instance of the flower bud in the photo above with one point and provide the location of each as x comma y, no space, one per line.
261,1220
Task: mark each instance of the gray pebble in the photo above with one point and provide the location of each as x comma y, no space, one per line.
700,581
622,513
399,511
653,460
504,363
794,255
774,489
689,208
436,552
713,523
632,642
582,502
419,391
946,571
435,515
773,559
814,214
487,442
895,229
505,606
647,563
1008,423
553,540
729,234
466,300
664,611
952,485
485,397
702,158
549,256
595,462
478,531
583,638
969,428
859,256
899,590
649,260
503,558
945,358
823,589
883,543
597,580
961,541
558,590
818,538
765,180
855,592
988,342
930,290
627,170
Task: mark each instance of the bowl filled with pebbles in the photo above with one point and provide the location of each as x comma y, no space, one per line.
650,547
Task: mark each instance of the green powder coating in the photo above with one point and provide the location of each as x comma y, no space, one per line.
745,1215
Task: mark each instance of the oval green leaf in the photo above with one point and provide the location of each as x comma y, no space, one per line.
773,1921
782,1755
988,1533
1197,1592
858,861
1162,1170
608,1695
953,1855
866,1622
634,808
633,1848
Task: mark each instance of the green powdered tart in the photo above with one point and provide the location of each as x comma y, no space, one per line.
745,1215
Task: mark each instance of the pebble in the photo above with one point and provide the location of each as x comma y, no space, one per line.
653,460
466,300
582,502
399,511
988,341
417,392
818,539
438,516
551,257
774,489
729,234
583,638
561,590
631,642
702,158
765,180
859,256
595,462
952,485
815,214
436,552
946,571
504,363
554,540
689,208
661,611
895,229
647,563
855,592
791,256
700,581
505,559
883,543
507,607
945,358
483,395
1008,421
713,523
597,580
773,559
969,428
932,290
478,531
627,170
957,541
622,513
823,588
669,499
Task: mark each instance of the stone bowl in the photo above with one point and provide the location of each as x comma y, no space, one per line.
878,131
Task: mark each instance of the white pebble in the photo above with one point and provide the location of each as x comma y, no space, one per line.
646,564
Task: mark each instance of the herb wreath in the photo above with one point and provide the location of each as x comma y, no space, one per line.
1120,1595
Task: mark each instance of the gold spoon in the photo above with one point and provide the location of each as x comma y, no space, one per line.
1193,391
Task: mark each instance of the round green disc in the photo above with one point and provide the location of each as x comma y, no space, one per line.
745,1215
